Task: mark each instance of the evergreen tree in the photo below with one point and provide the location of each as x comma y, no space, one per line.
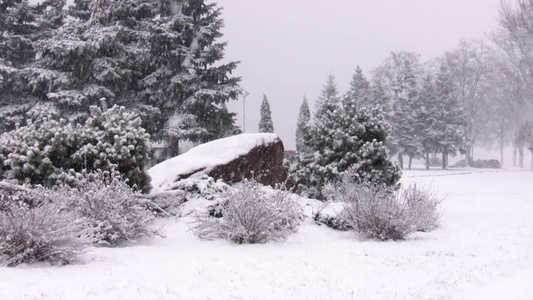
427,119
156,57
342,139
22,26
360,91
451,120
381,100
312,167
266,124
405,112
329,100
185,79
302,127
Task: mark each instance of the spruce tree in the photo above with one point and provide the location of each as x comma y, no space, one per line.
185,79
22,27
343,139
360,91
427,119
302,127
265,123
451,119
381,100
160,58
405,112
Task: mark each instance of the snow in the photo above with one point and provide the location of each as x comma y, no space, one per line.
206,156
482,250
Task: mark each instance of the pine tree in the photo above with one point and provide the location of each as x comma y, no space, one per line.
22,27
312,167
427,119
185,79
302,127
154,57
343,139
451,120
360,91
382,101
265,123
405,112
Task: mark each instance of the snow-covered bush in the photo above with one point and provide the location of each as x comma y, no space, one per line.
378,212
114,138
34,228
113,211
251,215
53,152
186,190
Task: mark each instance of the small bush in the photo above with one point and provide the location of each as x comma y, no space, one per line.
187,190
380,213
113,211
251,215
31,233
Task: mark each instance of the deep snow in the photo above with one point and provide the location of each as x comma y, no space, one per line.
482,250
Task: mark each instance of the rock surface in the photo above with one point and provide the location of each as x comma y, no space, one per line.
245,156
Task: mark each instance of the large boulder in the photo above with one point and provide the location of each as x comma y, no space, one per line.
246,156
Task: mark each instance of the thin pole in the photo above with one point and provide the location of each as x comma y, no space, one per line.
244,95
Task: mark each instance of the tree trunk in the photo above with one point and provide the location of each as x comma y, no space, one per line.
173,148
531,160
427,160
400,160
472,153
501,152
502,140
444,158
521,157
514,156
410,161
468,158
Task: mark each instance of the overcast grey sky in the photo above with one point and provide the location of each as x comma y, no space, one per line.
287,48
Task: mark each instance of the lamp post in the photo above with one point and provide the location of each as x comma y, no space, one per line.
244,94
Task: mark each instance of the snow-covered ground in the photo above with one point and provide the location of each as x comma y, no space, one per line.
482,250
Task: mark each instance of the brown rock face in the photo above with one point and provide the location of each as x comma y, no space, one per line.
264,163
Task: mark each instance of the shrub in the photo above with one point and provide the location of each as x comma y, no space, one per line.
251,215
381,213
187,190
31,233
113,211
52,151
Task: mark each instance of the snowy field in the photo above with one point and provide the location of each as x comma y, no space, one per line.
483,250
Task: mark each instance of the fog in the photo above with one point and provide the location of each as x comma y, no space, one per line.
288,48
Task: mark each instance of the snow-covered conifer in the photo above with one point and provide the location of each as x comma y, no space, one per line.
265,123
451,121
302,127
405,112
22,26
360,92
154,57
342,139
427,119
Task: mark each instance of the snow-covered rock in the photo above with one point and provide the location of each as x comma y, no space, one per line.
329,215
231,159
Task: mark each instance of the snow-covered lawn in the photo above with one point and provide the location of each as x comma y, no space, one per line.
483,250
